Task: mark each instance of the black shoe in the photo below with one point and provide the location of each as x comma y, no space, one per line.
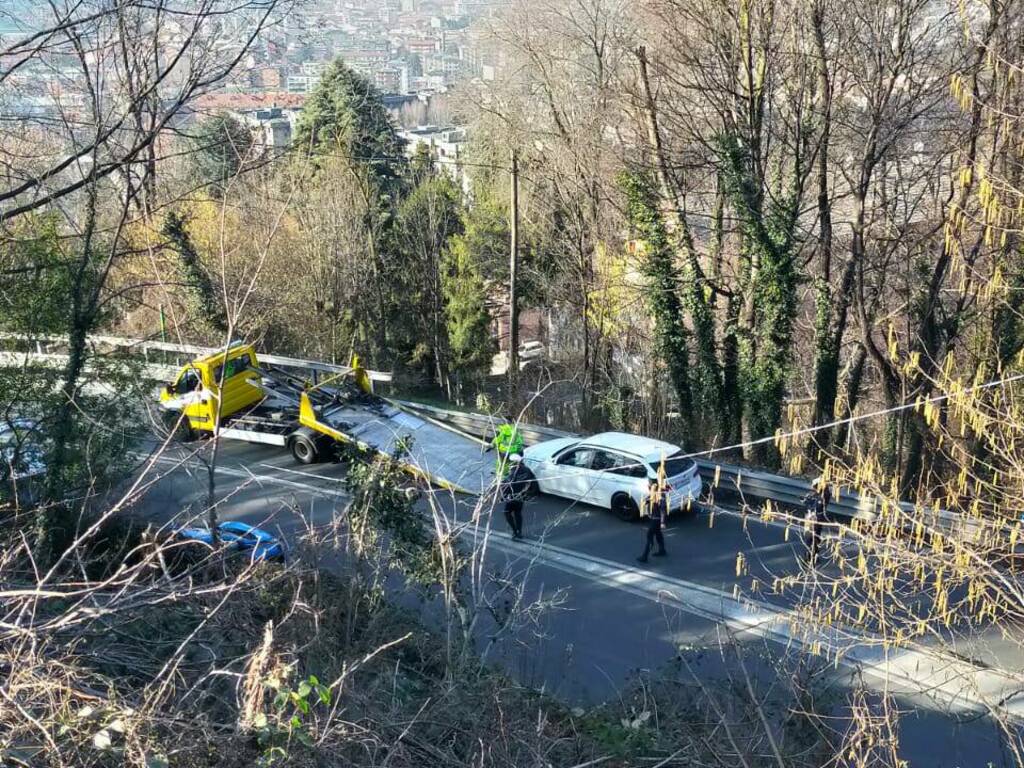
641,559
662,553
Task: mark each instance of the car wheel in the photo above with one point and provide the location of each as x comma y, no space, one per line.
303,449
624,508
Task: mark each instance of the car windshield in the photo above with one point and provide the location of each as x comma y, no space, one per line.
675,465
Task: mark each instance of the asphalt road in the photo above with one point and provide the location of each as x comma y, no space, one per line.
613,617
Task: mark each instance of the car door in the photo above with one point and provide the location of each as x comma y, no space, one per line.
571,476
617,473
241,385
192,397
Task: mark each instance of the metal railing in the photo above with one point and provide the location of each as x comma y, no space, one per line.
740,481
42,348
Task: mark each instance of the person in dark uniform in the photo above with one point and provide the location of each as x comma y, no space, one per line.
815,504
655,509
514,489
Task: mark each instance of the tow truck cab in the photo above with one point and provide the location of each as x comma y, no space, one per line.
197,388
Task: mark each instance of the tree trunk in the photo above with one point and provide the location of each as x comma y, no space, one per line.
854,379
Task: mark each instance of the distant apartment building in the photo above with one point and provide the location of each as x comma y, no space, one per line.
445,145
453,41
474,8
451,66
367,60
313,68
265,79
276,127
389,80
421,46
302,84
272,115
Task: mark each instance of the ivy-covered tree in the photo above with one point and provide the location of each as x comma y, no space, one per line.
769,280
207,305
35,273
428,218
663,280
52,283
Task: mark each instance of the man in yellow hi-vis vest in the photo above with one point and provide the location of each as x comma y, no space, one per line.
507,441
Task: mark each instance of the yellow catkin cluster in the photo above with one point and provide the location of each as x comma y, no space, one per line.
741,564
961,92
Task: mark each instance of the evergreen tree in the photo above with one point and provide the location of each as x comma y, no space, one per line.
469,322
345,115
223,145
345,119
487,238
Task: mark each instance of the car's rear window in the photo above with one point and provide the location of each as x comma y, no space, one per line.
675,465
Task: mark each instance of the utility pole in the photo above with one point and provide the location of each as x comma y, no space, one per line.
513,297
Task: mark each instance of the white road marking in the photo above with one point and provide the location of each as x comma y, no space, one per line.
956,683
311,475
258,479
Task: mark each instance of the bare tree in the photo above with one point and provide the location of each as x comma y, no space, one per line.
121,77
99,90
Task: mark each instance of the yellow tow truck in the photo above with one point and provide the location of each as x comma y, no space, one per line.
230,394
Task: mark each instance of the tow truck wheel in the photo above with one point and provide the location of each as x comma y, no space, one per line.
303,449
178,427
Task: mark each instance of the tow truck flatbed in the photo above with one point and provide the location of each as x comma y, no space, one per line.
446,457
229,394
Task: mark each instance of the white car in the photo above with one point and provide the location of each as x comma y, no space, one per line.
613,470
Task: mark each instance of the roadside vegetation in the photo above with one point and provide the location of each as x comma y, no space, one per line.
778,232
139,649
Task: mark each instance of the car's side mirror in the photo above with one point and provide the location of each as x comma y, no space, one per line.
172,389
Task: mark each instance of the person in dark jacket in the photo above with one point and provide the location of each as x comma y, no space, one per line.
655,509
514,489
815,504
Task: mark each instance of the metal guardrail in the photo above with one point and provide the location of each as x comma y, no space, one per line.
741,481
42,346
